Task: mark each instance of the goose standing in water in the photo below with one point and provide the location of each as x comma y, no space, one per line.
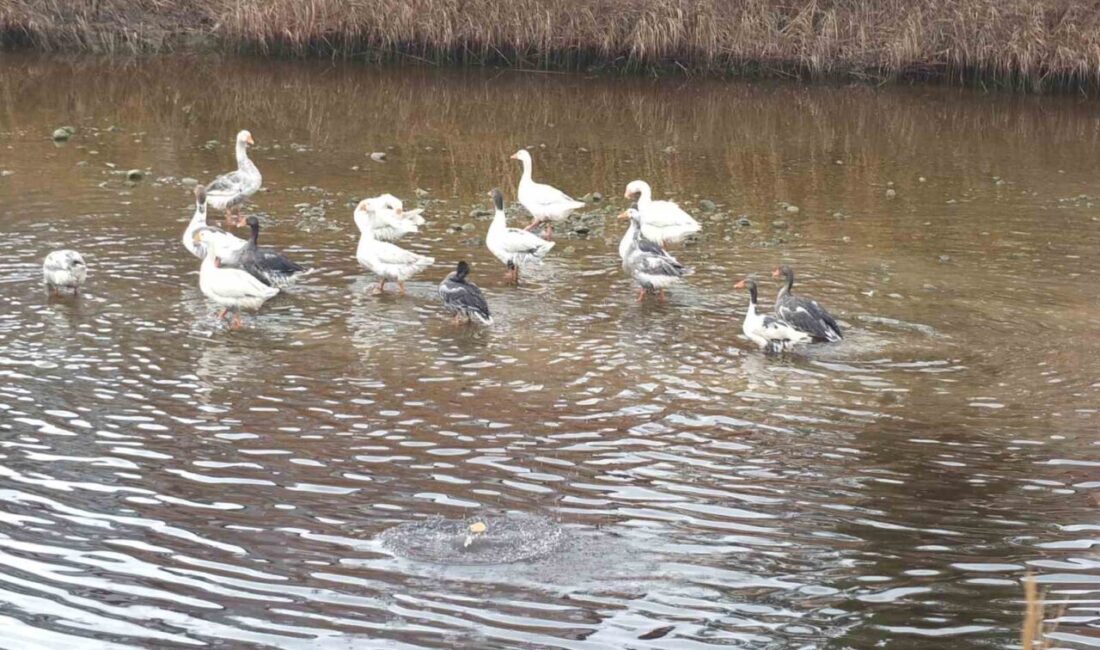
512,246
662,222
229,287
268,265
64,271
388,217
228,192
463,298
546,203
770,333
226,244
804,314
650,265
387,261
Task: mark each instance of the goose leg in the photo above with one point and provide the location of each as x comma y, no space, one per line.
401,286
641,294
235,324
548,232
534,223
661,293
222,313
381,288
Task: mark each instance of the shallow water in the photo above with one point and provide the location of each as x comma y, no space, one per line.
169,483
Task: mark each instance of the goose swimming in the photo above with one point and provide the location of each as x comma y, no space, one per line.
464,298
804,314
772,334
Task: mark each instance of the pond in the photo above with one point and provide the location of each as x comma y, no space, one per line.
167,482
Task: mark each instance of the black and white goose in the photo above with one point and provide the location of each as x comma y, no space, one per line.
804,314
268,265
512,246
463,298
650,265
770,333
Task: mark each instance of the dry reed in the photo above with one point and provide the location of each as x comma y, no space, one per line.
1028,44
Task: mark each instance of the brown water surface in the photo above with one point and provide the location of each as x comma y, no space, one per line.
165,482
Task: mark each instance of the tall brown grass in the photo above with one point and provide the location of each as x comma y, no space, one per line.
1030,44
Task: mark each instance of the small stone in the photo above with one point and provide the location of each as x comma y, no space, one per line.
569,250
706,205
891,193
944,259
468,227
839,162
889,183
921,179
62,134
420,192
480,212
846,239
135,175
582,150
744,222
838,215
581,231
670,149
114,129
378,156
355,168
779,223
717,217
793,209
189,182
6,172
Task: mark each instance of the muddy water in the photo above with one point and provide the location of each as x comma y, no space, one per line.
168,483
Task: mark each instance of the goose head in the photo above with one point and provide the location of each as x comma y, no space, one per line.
245,138
523,156
637,190
498,199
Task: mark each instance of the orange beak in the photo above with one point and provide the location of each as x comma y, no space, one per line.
739,285
626,195
775,273
250,140
400,211
624,215
514,157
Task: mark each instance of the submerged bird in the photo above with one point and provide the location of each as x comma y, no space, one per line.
229,287
663,222
387,261
463,298
512,246
650,265
546,203
770,333
388,217
228,192
804,314
64,271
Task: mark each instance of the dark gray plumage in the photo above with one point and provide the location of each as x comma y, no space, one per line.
462,297
804,314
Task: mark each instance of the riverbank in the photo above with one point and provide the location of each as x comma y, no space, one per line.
1044,45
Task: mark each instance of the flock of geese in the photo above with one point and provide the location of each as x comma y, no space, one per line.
240,274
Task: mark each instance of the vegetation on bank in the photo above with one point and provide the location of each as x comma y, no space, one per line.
1035,45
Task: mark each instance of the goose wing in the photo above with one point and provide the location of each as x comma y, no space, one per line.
521,241
806,315
230,183
464,296
236,284
548,196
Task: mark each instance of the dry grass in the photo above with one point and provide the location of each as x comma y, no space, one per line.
1029,44
1033,635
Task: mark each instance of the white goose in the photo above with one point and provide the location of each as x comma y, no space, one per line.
386,260
770,333
64,271
388,218
224,243
663,222
512,246
546,203
229,287
229,191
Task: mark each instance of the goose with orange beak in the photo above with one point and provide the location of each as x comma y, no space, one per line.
230,191
546,203
662,222
772,334
650,265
